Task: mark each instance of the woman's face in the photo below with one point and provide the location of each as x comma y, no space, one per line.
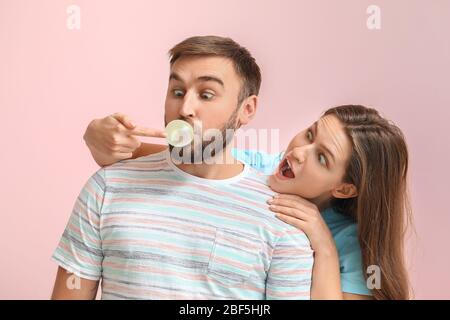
315,161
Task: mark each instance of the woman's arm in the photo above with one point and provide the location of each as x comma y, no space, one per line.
113,138
326,277
326,280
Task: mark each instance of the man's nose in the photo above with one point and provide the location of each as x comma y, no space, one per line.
188,107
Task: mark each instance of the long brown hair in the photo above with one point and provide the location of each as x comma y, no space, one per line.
378,167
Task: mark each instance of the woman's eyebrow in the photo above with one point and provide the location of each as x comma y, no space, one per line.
324,147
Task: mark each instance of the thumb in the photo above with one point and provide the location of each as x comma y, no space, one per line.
147,132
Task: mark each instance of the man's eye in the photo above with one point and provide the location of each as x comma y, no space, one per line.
309,135
207,95
178,93
322,159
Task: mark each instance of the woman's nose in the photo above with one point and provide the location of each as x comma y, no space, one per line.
300,153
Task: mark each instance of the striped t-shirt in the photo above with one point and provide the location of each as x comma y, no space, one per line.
149,230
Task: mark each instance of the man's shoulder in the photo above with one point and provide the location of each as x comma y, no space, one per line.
260,179
135,168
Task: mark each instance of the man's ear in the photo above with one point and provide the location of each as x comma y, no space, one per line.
248,110
345,191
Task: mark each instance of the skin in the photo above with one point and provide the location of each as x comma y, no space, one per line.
87,290
319,157
206,90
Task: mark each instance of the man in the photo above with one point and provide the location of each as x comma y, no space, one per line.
153,229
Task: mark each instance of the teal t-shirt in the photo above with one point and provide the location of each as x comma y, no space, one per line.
343,228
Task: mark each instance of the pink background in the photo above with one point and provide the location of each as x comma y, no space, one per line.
314,54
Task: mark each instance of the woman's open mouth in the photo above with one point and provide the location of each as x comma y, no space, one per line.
285,169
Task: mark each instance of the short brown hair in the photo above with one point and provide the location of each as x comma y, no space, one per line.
244,64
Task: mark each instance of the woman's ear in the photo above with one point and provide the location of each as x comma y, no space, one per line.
248,110
345,191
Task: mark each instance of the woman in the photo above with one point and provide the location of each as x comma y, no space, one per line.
342,181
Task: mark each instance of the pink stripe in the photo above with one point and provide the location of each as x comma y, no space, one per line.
77,255
93,193
73,228
85,213
239,243
294,252
290,272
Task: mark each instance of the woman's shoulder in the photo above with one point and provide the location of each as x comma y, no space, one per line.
262,161
344,230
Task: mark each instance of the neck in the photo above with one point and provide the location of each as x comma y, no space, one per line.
225,167
322,202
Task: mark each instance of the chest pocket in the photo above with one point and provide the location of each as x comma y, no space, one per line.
235,257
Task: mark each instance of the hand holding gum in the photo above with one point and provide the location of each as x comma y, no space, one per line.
179,133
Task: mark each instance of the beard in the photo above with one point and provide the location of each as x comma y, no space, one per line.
193,152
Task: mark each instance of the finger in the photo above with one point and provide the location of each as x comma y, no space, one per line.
130,142
125,120
147,132
296,214
288,203
305,202
302,225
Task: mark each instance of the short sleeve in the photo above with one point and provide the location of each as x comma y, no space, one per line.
260,161
79,250
352,276
290,273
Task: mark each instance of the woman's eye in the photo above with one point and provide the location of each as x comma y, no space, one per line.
309,135
322,160
207,95
178,93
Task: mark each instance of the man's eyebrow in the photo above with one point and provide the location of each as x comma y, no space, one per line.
175,76
322,145
211,78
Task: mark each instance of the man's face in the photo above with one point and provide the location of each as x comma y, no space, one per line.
203,90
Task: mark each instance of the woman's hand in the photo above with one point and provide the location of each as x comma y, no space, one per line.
112,138
304,215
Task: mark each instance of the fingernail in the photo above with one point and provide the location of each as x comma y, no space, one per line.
269,201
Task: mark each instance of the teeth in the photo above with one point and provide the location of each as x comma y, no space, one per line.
286,167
